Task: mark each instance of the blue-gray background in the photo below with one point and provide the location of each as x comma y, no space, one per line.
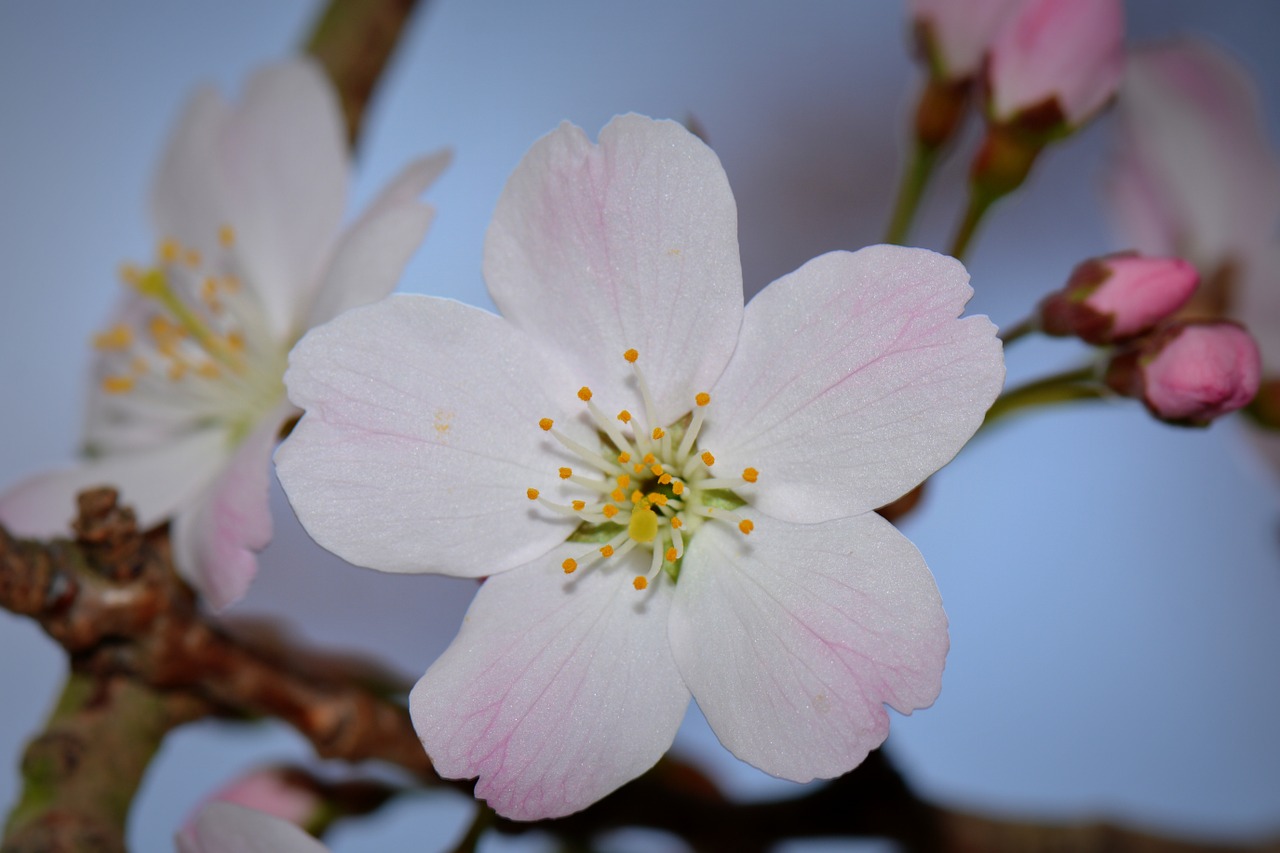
1113,584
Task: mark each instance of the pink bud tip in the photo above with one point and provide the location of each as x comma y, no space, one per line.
1191,373
275,791
1118,297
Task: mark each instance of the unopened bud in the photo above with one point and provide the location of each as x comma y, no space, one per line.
953,36
1118,297
279,792
1190,373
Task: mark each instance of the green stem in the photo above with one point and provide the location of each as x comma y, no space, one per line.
480,824
1019,330
1078,384
915,177
979,203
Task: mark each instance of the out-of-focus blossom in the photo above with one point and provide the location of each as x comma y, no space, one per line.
954,35
1056,64
1116,297
1194,175
270,791
230,828
1191,372
671,496
188,398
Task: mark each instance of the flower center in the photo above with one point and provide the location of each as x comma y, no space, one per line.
197,333
651,486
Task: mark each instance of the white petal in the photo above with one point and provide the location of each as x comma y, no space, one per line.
230,828
421,438
791,639
214,540
557,689
370,258
853,382
631,243
188,197
45,504
285,165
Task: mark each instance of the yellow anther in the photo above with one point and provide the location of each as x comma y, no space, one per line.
648,459
533,494
656,470
624,416
209,292
579,506
664,479
130,274
624,457
624,480
118,337
566,473
702,399
609,510
671,554
643,526
638,468
677,487
139,365
584,393
658,498
231,283
746,526
631,355
209,370
226,236
618,495
546,424
235,341
569,565
636,496
750,474
676,523
658,432
606,551
708,459
169,250
640,582
177,370
191,257
118,384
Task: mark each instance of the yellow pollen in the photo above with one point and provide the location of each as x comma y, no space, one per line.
546,424
139,365
130,274
624,457
235,341
579,506
702,399
566,473
676,523
648,459
191,257
209,370
177,370
750,474
584,393
638,468
631,355
624,416
746,526
624,480
169,250
708,459
117,384
606,551
231,283
677,487
658,432
658,498
533,494
664,479
618,495
117,337
640,582
609,510
671,554
657,470
569,565
637,497
226,236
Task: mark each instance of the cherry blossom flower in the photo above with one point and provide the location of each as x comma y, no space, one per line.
188,399
956,34
670,496
222,827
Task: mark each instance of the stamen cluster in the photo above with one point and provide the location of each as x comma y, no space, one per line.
657,487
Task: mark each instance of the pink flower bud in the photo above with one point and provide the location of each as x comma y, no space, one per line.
1116,297
1190,373
954,35
275,791
1057,63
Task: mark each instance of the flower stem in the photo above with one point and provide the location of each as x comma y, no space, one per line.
1078,384
1019,330
915,177
979,203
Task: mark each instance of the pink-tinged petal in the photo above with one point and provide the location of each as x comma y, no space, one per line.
629,244
230,828
284,162
1069,51
958,34
854,380
558,688
1257,301
188,197
793,639
421,437
215,539
1192,140
45,504
370,258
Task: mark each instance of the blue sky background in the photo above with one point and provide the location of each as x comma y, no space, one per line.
1113,584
